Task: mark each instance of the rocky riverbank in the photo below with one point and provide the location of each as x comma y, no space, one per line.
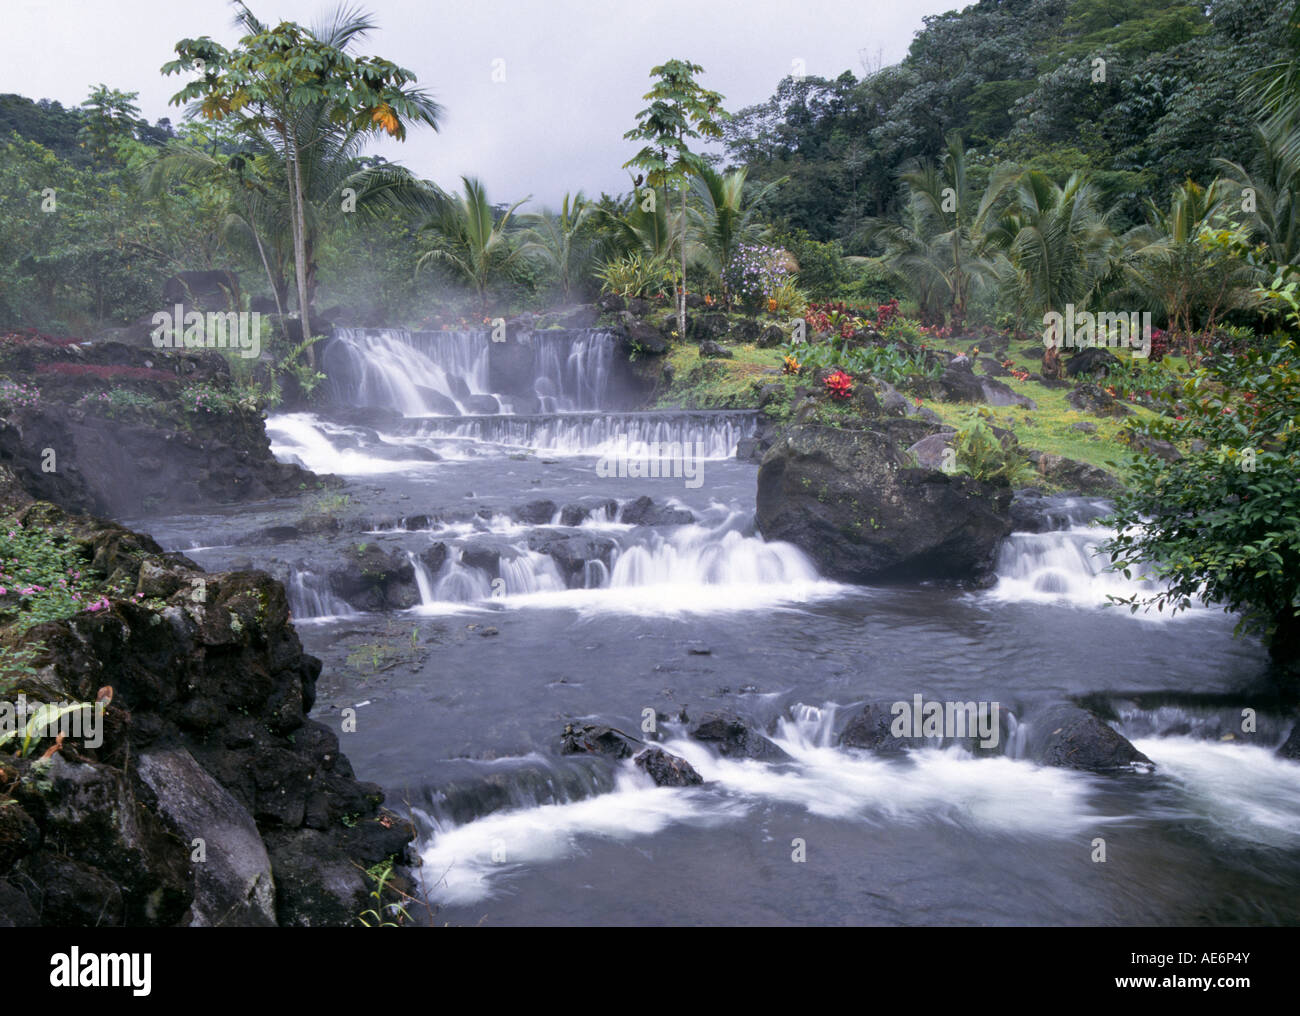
198,792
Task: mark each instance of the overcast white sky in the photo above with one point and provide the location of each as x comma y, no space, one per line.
575,70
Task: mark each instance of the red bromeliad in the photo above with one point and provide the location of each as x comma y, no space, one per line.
840,385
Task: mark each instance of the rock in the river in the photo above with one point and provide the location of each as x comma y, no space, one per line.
734,738
594,740
1065,735
853,502
572,553
668,770
536,513
644,512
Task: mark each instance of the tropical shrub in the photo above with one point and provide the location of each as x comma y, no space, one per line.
1218,525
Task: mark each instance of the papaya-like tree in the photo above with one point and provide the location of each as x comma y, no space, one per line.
680,110
296,90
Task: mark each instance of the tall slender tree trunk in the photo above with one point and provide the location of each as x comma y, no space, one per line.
299,218
681,296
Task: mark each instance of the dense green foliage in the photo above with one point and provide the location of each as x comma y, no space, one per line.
1222,523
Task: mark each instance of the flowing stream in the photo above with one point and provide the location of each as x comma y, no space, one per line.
461,695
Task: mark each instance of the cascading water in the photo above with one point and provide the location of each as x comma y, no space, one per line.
310,597
450,373
715,433
416,373
601,613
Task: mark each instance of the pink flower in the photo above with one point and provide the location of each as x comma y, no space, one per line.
100,604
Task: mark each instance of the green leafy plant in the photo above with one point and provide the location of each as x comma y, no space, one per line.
636,275
982,456
39,725
1218,525
381,875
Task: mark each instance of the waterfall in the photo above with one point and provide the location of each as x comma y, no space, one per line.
571,370
1062,567
451,373
310,597
417,373
719,432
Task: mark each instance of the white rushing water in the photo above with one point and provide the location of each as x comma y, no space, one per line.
475,860
414,373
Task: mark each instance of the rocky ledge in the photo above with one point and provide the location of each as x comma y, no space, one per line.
113,429
857,503
205,796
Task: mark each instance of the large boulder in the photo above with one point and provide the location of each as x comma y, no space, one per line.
572,554
959,383
1093,362
1069,474
667,770
855,504
873,727
644,512
1068,736
233,883
642,337
592,739
734,738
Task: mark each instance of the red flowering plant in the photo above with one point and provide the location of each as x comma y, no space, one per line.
839,385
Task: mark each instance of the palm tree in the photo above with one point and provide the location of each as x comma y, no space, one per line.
1166,263
557,238
945,246
1059,244
1275,186
723,219
470,239
300,94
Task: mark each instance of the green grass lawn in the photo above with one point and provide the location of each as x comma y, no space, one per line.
700,383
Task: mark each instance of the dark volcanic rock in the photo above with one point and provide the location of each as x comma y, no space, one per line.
734,738
870,728
644,512
853,502
1090,398
1065,735
1093,362
711,350
536,513
668,770
571,553
1070,474
594,740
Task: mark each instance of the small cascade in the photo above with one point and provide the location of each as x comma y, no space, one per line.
1062,566
716,433
1205,719
683,568
310,597
810,726
571,370
416,373
452,373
